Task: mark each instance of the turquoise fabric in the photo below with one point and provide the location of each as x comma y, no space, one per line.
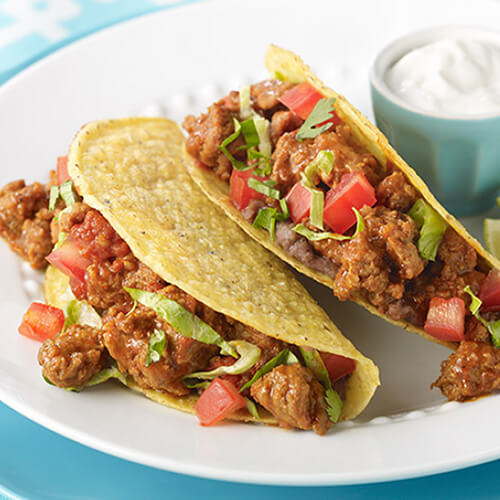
37,464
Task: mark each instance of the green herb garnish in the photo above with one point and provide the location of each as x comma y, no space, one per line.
237,164
182,320
493,327
264,188
285,357
315,122
314,236
267,217
314,362
431,226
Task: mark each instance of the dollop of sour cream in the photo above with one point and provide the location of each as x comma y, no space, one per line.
455,77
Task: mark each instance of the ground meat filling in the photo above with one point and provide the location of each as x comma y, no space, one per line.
80,352
73,357
473,370
25,221
294,396
382,264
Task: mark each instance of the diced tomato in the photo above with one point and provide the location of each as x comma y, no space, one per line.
337,366
446,319
241,193
353,190
68,259
490,292
41,322
298,200
219,400
302,98
62,170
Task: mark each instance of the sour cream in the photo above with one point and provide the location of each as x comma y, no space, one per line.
450,76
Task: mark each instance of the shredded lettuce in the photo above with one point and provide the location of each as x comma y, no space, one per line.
315,122
100,377
267,217
279,76
493,327
324,161
432,227
314,362
285,357
183,321
262,125
264,162
156,345
264,188
81,313
54,196
65,191
252,408
237,164
249,133
249,355
316,210
245,102
314,236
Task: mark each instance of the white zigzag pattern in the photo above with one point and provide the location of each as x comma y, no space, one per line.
30,20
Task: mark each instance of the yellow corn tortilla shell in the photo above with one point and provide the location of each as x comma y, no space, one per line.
131,171
57,294
291,68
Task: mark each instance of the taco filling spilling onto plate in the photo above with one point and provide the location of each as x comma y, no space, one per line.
295,169
109,315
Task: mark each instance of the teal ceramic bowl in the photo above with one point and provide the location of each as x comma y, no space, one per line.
457,156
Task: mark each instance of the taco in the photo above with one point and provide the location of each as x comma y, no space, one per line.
310,178
152,284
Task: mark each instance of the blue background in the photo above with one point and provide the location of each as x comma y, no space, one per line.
38,464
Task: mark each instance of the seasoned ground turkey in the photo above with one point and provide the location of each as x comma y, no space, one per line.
396,193
379,258
126,337
284,121
294,396
112,265
291,157
73,357
208,131
472,371
25,221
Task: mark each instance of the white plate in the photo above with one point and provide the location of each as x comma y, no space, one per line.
176,62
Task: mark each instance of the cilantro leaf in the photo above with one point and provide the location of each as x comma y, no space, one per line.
315,122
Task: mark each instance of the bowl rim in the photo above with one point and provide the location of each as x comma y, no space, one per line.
397,48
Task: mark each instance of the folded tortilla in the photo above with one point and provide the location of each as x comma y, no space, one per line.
291,68
131,171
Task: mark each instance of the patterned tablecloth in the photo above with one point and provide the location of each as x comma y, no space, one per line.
30,456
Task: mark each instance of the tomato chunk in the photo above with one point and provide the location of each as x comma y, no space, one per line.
241,193
490,292
337,366
219,400
41,322
353,190
298,200
62,170
446,319
68,259
302,98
